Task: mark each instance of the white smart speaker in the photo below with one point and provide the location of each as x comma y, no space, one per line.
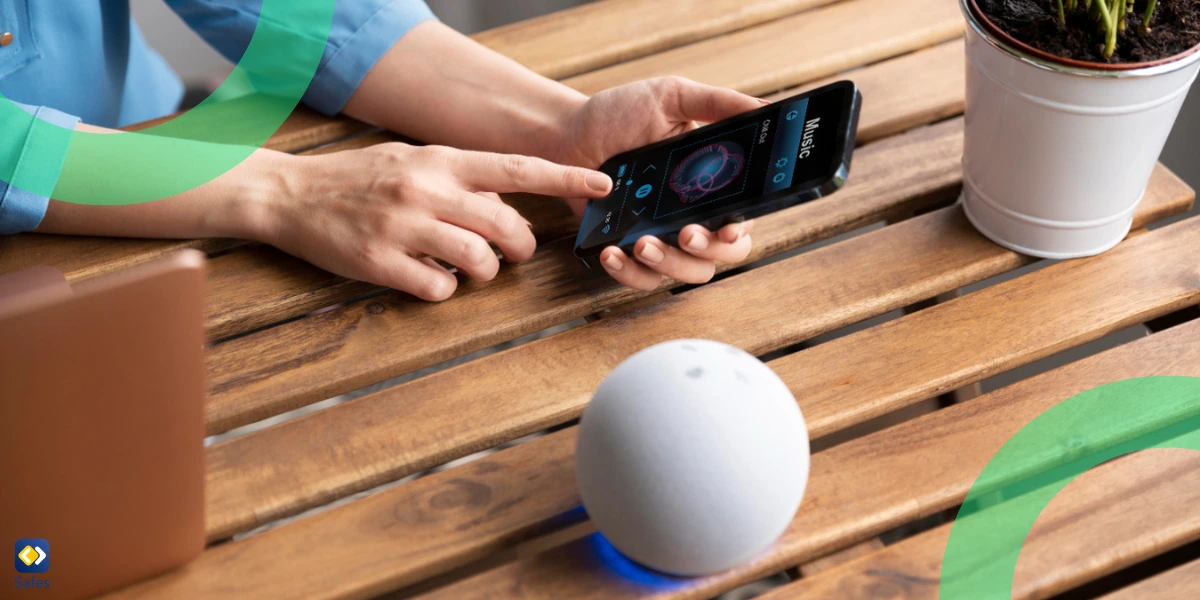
692,457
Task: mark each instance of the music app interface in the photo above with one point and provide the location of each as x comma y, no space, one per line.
704,173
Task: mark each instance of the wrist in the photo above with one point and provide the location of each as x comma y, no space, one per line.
553,138
561,141
251,208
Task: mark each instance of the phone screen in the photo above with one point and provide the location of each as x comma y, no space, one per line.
723,169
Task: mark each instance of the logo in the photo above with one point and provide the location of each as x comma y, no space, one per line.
791,116
781,163
32,555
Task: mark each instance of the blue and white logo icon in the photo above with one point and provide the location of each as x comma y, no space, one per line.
791,116
644,191
32,555
779,177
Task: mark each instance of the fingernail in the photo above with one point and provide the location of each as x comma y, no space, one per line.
598,181
747,227
529,223
697,243
651,254
764,101
614,262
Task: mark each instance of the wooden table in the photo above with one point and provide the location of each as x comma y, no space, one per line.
507,525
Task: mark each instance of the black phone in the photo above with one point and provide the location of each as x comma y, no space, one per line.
768,159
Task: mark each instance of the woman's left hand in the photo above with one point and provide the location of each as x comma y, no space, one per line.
631,116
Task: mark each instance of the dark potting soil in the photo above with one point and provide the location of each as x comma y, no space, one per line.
1174,28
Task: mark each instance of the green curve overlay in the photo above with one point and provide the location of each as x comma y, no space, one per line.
191,149
1047,454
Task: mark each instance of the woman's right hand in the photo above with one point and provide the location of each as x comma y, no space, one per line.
383,213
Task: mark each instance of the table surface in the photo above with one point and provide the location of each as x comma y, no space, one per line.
507,525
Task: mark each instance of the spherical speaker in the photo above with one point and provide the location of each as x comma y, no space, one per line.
692,457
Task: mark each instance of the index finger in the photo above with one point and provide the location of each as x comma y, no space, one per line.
507,173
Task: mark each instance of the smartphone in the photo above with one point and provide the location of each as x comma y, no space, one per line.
768,159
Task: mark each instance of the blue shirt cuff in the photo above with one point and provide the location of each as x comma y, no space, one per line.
21,210
341,74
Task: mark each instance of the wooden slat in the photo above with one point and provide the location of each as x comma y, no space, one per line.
603,33
804,47
841,557
904,92
282,286
1179,583
306,361
1111,517
861,488
80,257
899,94
452,413
450,518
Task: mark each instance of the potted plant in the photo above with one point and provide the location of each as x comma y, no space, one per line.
1069,103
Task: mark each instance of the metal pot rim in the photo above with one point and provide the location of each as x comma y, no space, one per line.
1025,53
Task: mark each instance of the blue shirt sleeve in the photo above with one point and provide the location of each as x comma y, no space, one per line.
362,31
21,210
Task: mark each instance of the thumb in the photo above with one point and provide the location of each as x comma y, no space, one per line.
692,101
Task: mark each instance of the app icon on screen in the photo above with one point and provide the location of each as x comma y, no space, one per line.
32,555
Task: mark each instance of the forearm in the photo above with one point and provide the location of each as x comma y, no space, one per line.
441,87
232,205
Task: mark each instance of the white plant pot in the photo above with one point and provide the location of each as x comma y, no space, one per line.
1057,157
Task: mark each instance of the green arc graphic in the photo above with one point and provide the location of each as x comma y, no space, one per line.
192,149
1046,455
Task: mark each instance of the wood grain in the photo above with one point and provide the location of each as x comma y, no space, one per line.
1179,583
870,485
848,34
603,33
298,363
1111,517
260,285
973,337
81,257
904,92
450,518
898,94
471,407
840,557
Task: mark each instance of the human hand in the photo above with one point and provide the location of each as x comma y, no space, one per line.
631,116
382,214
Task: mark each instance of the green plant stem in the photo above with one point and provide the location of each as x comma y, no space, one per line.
1109,23
1062,16
1147,14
